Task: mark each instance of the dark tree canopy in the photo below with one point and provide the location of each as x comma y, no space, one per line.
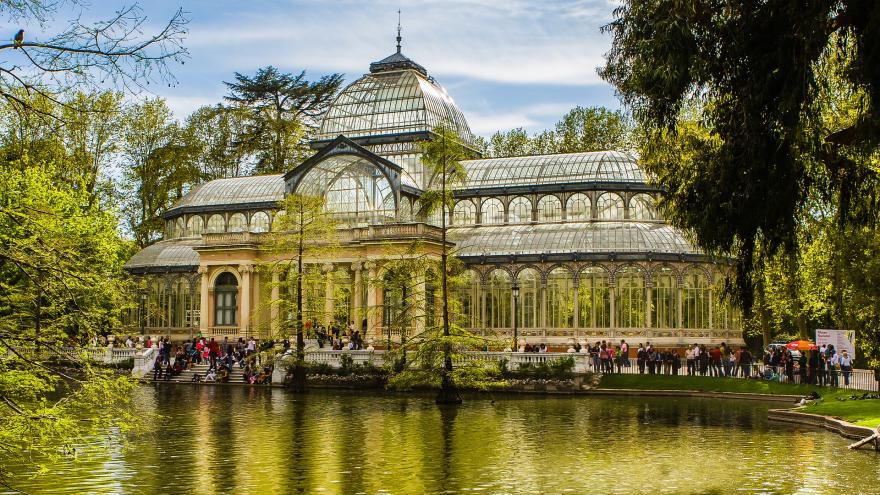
284,108
742,171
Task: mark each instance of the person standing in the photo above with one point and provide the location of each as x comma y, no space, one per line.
689,359
641,356
624,353
833,362
845,366
745,362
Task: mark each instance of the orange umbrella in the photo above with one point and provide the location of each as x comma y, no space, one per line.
801,345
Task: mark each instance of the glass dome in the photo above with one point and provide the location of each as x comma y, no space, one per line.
390,101
594,166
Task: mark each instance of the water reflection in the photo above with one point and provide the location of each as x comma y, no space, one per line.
218,440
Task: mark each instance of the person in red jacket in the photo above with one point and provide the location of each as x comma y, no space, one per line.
213,352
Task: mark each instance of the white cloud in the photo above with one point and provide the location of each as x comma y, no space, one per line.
530,117
512,41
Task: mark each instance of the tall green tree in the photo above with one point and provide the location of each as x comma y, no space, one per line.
158,167
283,108
304,232
442,156
213,132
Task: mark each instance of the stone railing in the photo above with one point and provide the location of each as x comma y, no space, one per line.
104,355
232,238
144,361
393,231
662,336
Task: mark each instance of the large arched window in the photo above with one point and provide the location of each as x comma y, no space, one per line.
609,206
560,298
157,304
181,303
237,223
225,300
498,300
664,308
466,289
529,281
179,228
697,296
577,209
196,225
216,224
629,298
594,299
465,213
260,222
492,211
641,207
549,209
520,210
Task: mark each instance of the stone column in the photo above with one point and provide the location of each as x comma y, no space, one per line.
244,325
257,310
372,309
204,311
329,299
273,305
420,309
356,291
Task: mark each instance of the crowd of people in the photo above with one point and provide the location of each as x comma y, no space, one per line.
338,339
222,358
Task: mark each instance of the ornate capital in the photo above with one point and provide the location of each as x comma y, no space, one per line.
357,266
370,265
203,270
245,268
327,267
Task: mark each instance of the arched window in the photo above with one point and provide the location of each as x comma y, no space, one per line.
181,302
520,210
560,298
696,295
157,304
629,298
529,301
594,299
179,228
225,300
465,213
664,308
260,222
196,225
609,206
577,209
549,209
498,300
641,207
467,298
436,219
492,211
237,223
216,224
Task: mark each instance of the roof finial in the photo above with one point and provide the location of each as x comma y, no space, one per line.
398,31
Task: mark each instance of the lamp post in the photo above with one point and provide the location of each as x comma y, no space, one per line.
515,291
143,311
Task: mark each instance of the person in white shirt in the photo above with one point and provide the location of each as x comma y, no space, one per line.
833,360
845,361
251,346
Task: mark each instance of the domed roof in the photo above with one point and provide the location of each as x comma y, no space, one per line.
397,96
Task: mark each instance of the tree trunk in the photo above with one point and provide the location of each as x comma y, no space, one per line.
298,382
448,392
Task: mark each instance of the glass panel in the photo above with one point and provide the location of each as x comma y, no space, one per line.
570,168
465,213
216,224
260,222
529,298
498,300
609,206
664,305
560,299
594,301
578,208
630,298
696,300
237,223
196,225
519,210
642,208
492,211
549,209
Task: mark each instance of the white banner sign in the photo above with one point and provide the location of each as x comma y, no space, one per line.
840,339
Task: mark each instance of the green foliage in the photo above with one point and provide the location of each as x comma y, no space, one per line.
281,110
579,130
557,369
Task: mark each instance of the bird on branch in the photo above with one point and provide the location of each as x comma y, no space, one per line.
19,38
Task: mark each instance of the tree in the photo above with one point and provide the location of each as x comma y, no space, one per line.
115,51
442,156
60,281
787,129
283,110
158,167
91,132
305,231
212,131
579,130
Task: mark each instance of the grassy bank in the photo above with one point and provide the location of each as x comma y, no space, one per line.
860,412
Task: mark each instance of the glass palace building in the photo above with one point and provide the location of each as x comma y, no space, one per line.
572,243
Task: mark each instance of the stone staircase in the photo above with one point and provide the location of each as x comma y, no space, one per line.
237,375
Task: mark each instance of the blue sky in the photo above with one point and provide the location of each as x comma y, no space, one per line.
507,63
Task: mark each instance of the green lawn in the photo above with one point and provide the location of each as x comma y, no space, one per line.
860,412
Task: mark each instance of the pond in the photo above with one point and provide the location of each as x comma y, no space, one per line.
245,440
